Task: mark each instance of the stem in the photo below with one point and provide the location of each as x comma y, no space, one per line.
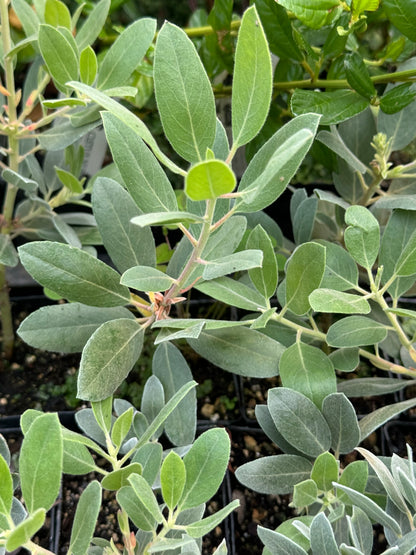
36,549
196,253
365,199
11,191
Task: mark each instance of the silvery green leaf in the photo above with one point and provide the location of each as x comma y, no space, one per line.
361,530
165,218
385,478
304,273
153,401
146,278
380,416
204,526
108,357
74,274
171,368
341,272
25,529
371,508
127,244
362,236
238,261
309,371
183,94
299,421
167,334
66,327
331,300
271,169
243,351
124,55
355,331
19,181
93,24
362,387
233,292
252,81
275,474
85,519
278,544
334,141
8,253
322,536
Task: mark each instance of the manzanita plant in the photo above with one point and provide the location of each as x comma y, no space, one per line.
312,309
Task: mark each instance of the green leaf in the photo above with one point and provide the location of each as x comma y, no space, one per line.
25,530
108,357
183,94
265,278
103,411
88,66
166,218
236,262
93,24
233,292
126,53
279,544
402,15
355,331
204,526
304,273
66,327
126,243
305,493
205,464
397,98
273,166
334,107
59,55
69,181
299,421
377,418
362,236
145,278
397,234
85,519
315,16
358,76
395,125
322,536
74,274
6,487
371,508
355,476
172,479
209,179
40,463
129,119
145,494
340,416
267,424
252,80
309,371
243,351
171,368
335,142
134,507
166,334
406,263
330,300
119,478
278,29
121,427
345,359
8,254
57,14
77,460
275,475
325,471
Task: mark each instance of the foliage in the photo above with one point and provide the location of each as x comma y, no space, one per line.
311,307
161,492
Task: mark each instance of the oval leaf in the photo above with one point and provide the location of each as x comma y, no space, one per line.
209,179
355,331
